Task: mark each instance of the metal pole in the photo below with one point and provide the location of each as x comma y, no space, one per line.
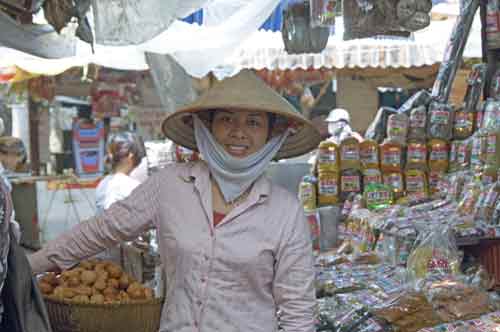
33,109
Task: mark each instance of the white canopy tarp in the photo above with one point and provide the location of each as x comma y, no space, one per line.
222,45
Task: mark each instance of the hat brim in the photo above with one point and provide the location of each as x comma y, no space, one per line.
178,127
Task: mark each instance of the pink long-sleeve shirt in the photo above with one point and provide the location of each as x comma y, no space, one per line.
231,277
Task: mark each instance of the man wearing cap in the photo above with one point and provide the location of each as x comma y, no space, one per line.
339,127
235,248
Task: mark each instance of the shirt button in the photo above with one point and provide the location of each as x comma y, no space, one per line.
203,280
199,303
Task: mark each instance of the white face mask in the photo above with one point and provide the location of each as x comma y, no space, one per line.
335,128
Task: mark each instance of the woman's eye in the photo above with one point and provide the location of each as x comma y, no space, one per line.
226,119
254,123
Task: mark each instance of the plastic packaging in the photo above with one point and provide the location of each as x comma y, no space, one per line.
417,123
416,184
369,154
391,157
435,178
397,128
377,196
372,176
489,175
323,12
378,127
454,146
491,151
486,206
416,155
435,254
328,188
491,116
438,155
463,156
396,182
470,196
420,99
475,87
307,192
328,159
440,123
476,152
463,126
351,182
349,154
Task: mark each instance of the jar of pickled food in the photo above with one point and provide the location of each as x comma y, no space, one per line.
391,157
372,176
416,155
416,184
438,155
463,125
368,152
349,154
396,182
351,182
328,157
307,192
328,188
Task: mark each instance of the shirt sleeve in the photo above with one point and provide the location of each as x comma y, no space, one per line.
123,221
293,286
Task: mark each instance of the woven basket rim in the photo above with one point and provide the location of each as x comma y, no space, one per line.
157,300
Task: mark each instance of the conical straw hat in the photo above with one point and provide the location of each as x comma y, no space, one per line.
245,91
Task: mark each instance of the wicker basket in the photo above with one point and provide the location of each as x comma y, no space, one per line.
128,317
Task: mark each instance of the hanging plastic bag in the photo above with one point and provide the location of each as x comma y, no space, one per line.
377,129
435,254
397,128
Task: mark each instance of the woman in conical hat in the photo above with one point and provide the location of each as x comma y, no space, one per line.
235,248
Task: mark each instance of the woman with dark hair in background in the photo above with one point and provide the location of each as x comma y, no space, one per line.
125,152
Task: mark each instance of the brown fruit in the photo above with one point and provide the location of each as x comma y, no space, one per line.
88,277
101,274
134,286
81,299
124,281
68,293
148,293
87,265
97,299
100,267
114,271
113,283
100,284
50,278
110,291
59,293
137,294
83,290
45,288
73,281
123,297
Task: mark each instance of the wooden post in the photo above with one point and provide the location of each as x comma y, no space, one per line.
33,109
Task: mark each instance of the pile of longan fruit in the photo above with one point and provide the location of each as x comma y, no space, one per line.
94,282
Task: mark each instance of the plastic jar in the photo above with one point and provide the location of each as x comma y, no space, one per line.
328,188
396,182
416,184
391,157
351,182
372,176
328,159
416,155
463,126
438,155
349,154
307,192
368,152
417,123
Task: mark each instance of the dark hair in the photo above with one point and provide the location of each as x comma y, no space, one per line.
13,145
122,144
271,119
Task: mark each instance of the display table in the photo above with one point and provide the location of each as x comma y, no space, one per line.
46,206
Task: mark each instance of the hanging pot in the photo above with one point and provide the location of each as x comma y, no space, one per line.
298,35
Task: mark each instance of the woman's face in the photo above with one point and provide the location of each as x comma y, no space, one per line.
241,133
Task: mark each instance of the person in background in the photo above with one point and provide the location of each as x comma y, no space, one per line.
21,304
339,126
125,153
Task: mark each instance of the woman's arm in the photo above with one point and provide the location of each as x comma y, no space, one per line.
123,221
293,286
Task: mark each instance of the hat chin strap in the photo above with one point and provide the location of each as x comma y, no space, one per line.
234,175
